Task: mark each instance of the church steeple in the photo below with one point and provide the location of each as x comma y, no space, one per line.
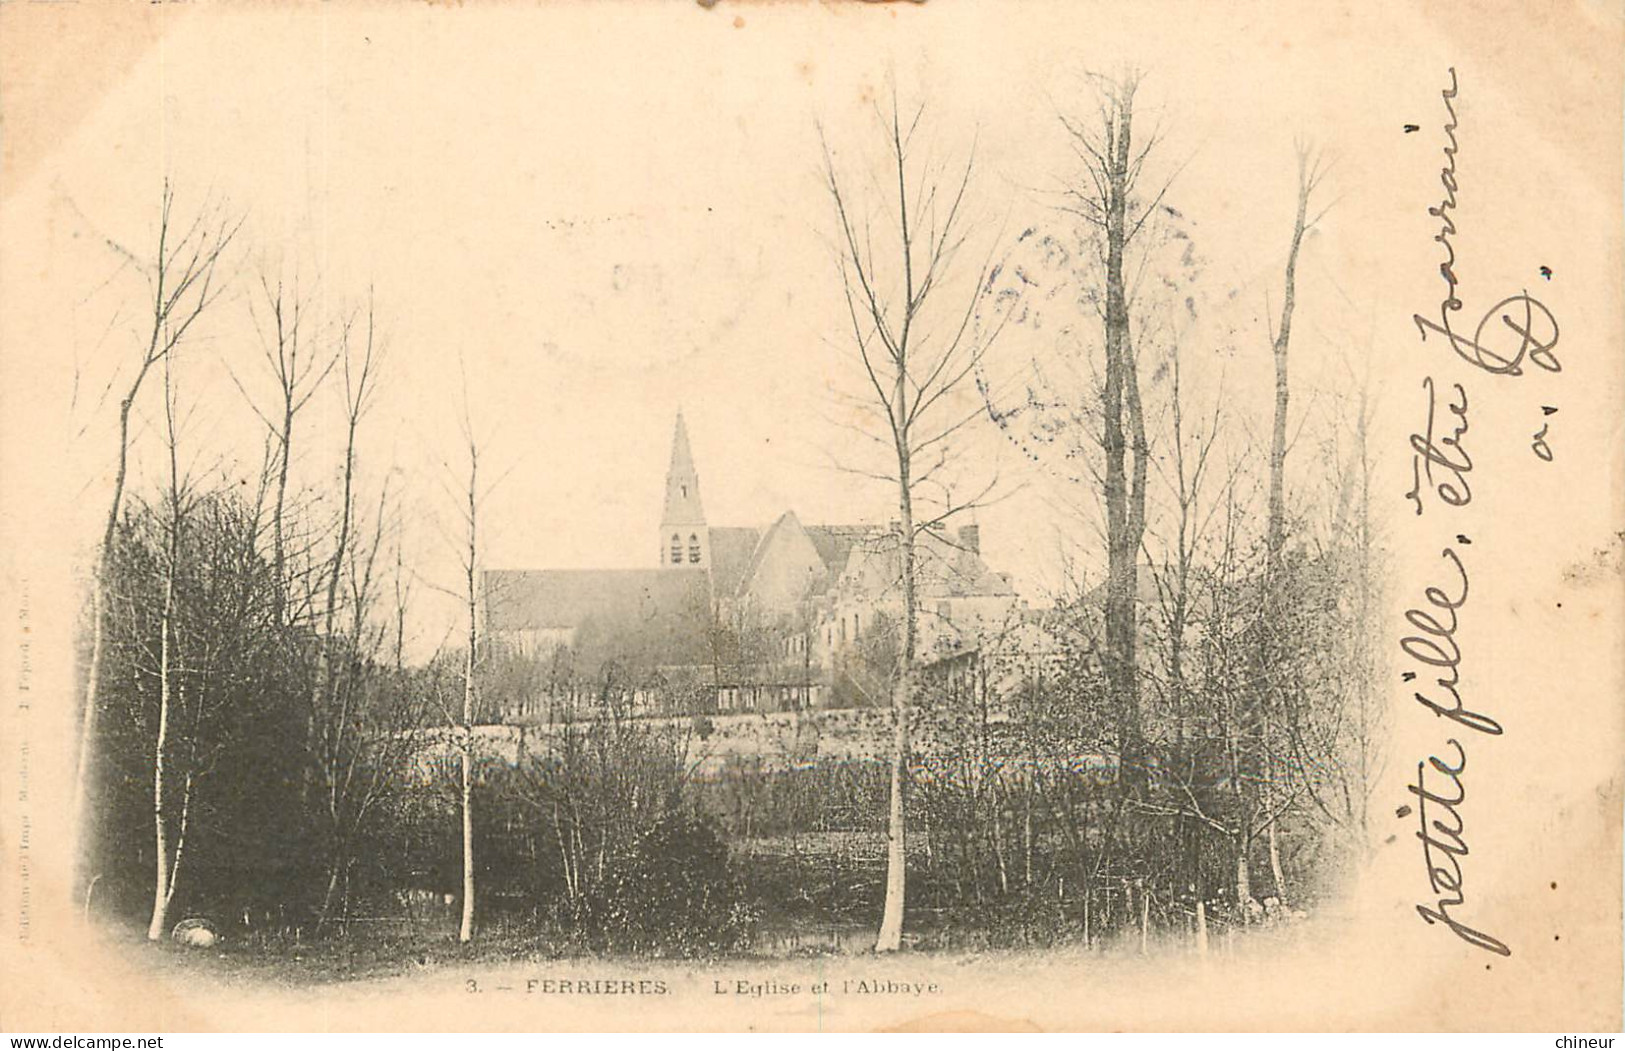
684,539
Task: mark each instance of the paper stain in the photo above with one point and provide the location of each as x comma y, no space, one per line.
1606,563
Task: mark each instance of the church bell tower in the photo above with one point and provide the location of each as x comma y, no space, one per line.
685,543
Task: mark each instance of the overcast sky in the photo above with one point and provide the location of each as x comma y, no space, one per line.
602,215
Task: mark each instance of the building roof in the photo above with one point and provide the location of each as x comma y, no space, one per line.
943,568
668,608
683,507
732,549
737,553
835,542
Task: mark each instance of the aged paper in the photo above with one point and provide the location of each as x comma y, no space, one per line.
486,484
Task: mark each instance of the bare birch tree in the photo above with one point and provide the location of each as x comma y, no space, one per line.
199,601
175,500
467,498
917,349
182,285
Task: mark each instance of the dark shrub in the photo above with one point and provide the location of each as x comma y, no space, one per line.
673,894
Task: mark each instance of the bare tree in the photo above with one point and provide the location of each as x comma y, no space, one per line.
1366,728
917,350
1311,172
1174,575
1333,733
298,369
1258,717
339,729
215,622
1109,201
201,640
175,499
465,929
468,497
369,719
182,285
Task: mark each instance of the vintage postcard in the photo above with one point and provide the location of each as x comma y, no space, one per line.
811,516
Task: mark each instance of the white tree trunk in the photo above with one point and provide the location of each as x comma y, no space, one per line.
1244,882
1275,531
161,882
84,773
890,938
1145,919
87,729
465,931
1275,864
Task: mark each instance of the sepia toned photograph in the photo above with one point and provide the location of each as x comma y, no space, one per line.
812,516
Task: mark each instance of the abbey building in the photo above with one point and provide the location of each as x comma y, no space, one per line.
748,618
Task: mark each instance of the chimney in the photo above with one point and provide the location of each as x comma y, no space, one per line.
970,538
